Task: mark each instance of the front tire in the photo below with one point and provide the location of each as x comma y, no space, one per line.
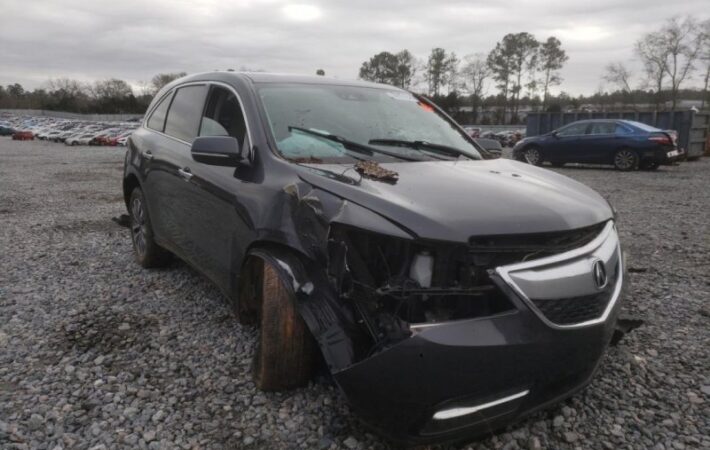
286,352
533,156
626,159
147,252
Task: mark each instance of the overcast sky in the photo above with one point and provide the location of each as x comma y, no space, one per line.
135,39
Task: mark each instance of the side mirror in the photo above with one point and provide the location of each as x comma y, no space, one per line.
553,133
217,151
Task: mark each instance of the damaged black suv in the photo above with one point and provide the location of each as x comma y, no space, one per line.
448,294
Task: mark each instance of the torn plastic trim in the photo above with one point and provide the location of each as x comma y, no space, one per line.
333,328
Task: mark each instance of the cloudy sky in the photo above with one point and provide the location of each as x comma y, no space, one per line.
135,39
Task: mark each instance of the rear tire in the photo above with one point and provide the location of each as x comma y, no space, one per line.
147,252
286,352
626,159
532,155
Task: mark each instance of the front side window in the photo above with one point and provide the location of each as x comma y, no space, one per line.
223,115
157,119
185,112
603,128
392,125
574,129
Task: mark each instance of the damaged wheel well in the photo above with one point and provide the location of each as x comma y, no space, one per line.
316,301
129,183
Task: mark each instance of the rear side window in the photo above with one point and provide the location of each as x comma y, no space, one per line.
223,115
185,112
603,128
574,129
157,119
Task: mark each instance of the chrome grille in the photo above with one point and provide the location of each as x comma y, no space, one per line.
561,289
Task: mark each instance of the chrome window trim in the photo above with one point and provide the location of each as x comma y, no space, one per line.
193,83
504,273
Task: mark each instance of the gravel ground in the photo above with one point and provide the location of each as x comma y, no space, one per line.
98,353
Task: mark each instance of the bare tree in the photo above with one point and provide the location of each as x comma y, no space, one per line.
475,72
551,59
161,79
682,42
620,77
653,54
704,57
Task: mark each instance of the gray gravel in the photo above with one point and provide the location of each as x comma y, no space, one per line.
97,353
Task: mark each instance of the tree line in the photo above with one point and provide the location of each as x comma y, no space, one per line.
521,67
111,96
523,70
669,57
519,70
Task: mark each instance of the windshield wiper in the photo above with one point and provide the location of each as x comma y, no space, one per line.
350,145
422,145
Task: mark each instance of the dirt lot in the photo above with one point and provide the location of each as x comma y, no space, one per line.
98,353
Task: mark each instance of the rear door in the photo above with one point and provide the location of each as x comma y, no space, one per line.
150,148
601,142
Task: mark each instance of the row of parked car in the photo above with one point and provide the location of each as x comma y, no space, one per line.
506,138
68,131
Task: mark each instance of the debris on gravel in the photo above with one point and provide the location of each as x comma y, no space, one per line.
96,352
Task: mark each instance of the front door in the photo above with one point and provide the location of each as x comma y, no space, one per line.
567,144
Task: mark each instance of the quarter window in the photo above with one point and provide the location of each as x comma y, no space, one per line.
223,115
157,119
185,112
620,129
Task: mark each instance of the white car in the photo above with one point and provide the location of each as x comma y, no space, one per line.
79,139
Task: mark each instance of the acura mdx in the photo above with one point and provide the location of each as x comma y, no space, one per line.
363,231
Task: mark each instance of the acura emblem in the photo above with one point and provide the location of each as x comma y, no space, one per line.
599,274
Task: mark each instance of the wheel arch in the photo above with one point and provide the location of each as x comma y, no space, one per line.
316,300
130,182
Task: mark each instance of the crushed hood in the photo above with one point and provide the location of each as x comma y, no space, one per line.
454,200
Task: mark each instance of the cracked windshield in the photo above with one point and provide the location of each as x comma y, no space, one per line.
340,124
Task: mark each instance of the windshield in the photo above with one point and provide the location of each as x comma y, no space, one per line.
337,122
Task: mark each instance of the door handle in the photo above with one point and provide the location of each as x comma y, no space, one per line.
148,155
185,173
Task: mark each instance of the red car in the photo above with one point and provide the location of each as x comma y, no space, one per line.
23,136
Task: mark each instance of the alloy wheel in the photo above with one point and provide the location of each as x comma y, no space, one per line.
532,156
138,228
624,159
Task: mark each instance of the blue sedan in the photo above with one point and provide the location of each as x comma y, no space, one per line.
625,144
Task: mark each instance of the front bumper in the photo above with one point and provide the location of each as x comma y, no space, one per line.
462,379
